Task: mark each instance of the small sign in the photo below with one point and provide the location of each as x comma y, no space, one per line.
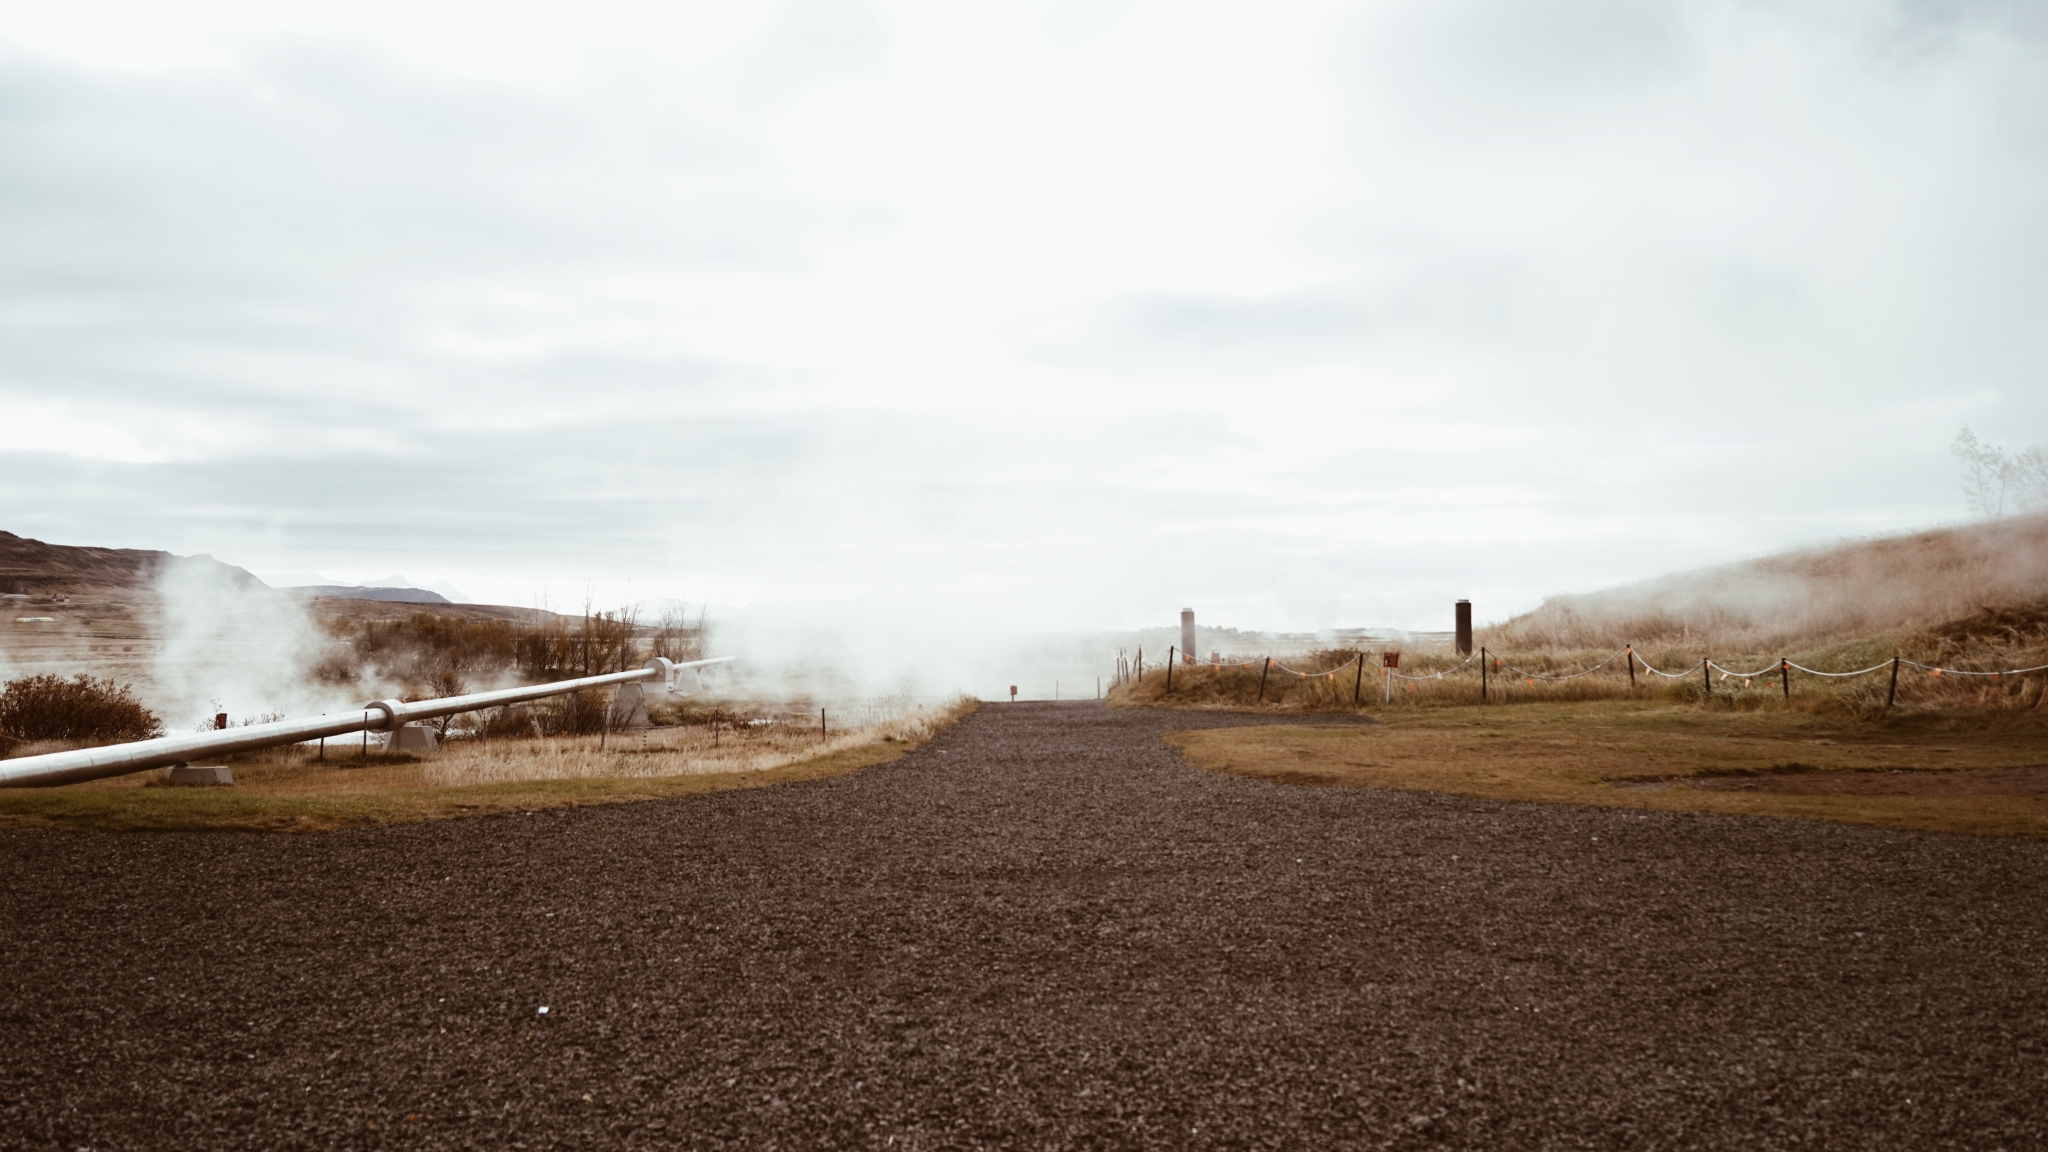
1390,659
1013,691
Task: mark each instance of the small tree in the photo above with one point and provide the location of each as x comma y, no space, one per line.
1991,480
83,708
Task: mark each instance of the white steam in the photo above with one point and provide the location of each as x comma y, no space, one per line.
231,645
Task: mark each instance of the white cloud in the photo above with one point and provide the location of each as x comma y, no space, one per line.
1058,314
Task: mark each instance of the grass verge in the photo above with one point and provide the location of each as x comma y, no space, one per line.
283,790
1984,775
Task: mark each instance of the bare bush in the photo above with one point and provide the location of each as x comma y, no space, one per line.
425,648
83,709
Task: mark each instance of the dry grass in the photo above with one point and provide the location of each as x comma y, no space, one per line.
1804,599
1986,775
1990,638
289,789
1973,597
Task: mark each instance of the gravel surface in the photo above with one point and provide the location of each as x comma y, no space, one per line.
1042,930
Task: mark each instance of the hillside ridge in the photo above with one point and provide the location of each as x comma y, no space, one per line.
1858,587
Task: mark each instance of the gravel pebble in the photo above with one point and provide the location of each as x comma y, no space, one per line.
1041,931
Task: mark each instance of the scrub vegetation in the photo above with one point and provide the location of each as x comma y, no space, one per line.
48,713
442,654
304,788
1938,751
1973,598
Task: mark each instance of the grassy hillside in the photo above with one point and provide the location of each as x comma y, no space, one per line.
1973,597
1807,597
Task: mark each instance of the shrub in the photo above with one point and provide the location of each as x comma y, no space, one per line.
83,709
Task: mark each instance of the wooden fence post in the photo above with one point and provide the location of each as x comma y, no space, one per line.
1262,679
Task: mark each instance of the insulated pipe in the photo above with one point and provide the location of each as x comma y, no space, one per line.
378,716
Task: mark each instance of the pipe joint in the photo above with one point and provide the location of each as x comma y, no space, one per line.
390,709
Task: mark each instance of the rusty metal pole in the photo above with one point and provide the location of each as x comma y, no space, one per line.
1262,679
1464,627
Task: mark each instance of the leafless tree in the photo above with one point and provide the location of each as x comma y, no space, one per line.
1992,480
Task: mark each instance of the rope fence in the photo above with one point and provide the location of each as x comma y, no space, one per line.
1782,668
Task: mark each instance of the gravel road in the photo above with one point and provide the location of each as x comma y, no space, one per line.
1042,930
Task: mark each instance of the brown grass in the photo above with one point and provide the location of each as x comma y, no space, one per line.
1804,599
1973,597
1985,776
1990,638
288,789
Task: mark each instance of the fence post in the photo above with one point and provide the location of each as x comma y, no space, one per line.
1630,651
821,725
1785,674
1388,671
1169,669
1482,675
1360,685
1893,694
1262,679
1705,680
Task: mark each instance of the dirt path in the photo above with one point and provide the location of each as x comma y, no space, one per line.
1042,930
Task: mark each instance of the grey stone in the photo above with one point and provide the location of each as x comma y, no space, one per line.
629,708
415,740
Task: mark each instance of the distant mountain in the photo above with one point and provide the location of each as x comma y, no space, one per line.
28,565
352,592
297,581
399,580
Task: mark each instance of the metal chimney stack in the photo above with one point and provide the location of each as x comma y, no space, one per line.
1464,627
1187,635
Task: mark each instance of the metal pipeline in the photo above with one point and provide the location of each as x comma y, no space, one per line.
377,716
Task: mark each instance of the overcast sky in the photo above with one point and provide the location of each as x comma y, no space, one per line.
1054,315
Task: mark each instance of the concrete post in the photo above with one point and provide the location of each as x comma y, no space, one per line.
1187,634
